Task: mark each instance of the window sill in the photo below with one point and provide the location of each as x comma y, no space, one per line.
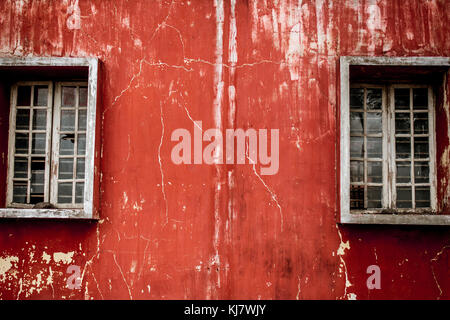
47,214
399,219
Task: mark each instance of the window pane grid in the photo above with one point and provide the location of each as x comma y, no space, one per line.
28,165
72,133
412,193
409,121
366,131
30,158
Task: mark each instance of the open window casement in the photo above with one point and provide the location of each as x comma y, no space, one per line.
389,153
52,138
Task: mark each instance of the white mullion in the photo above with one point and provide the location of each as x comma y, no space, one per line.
385,128
48,142
432,149
12,144
75,145
30,143
393,151
411,128
365,164
373,184
55,145
26,131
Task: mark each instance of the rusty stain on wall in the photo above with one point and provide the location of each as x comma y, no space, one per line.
222,231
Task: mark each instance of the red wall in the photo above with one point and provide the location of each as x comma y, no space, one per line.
224,231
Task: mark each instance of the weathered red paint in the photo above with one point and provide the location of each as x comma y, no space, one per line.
200,231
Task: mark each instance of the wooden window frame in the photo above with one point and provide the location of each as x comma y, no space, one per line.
431,148
389,159
384,138
401,217
90,207
12,136
55,145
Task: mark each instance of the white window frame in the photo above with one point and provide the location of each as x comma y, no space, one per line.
90,207
384,137
55,144
366,217
431,143
389,159
12,136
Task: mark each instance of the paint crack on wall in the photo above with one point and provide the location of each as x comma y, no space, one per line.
435,259
161,167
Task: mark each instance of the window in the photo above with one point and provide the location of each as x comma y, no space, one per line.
392,149
388,171
47,145
51,138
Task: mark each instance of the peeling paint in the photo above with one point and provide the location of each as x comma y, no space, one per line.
6,263
61,257
222,232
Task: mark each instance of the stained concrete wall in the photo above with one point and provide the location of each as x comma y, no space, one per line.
222,231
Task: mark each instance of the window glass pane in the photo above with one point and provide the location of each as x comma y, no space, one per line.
421,147
80,168
36,198
23,119
40,95
374,147
423,197
421,172
357,122
20,167
374,195
357,98
374,100
356,147
403,147
65,168
38,143
374,122
37,180
81,144
39,119
24,96
421,123
82,119
356,197
420,98
68,96
356,171
79,191
404,199
402,123
67,120
22,143
64,192
66,144
20,191
375,171
83,97
403,172
401,99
